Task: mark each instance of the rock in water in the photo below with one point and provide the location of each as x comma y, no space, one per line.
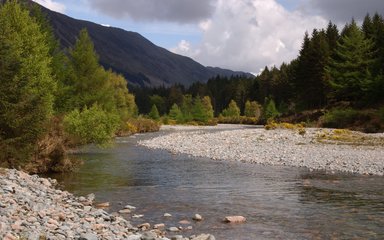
197,217
235,219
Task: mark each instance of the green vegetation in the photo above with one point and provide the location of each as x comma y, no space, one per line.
91,125
335,71
51,100
27,87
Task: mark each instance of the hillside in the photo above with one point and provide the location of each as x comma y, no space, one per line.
139,60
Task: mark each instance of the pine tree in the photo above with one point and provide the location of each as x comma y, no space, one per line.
26,84
349,72
270,110
89,81
309,83
175,113
154,113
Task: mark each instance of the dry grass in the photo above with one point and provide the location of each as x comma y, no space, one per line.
348,137
295,127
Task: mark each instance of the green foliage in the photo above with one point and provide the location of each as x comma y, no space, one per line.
232,110
159,102
350,69
252,109
176,114
340,118
270,110
89,83
186,108
154,113
91,125
26,86
198,111
124,102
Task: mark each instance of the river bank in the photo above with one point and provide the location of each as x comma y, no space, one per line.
32,208
318,149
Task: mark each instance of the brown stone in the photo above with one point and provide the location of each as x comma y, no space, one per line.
235,219
185,222
159,225
125,211
144,226
102,205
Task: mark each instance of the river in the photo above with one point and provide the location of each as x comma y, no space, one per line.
278,202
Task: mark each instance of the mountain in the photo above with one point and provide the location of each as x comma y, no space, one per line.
140,61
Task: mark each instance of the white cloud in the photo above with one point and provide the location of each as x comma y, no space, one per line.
52,5
250,34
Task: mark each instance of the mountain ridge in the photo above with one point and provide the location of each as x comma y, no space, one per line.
139,60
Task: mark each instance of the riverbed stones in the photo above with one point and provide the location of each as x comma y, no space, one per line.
275,147
159,226
32,208
197,217
235,219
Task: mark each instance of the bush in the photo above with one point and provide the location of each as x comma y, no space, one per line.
92,125
140,125
340,118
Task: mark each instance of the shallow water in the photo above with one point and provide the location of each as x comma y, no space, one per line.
278,202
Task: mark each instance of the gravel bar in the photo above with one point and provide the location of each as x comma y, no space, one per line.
272,147
32,208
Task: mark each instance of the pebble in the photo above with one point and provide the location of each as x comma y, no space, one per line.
30,204
197,217
125,211
174,229
274,147
167,215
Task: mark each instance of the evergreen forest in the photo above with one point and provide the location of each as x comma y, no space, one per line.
336,81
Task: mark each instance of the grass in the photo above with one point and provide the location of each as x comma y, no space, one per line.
300,128
348,137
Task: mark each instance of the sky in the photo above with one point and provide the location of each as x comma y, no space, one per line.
244,35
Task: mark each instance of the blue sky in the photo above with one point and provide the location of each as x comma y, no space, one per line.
236,34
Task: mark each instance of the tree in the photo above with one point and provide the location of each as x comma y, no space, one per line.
232,110
26,85
309,82
89,80
186,107
125,105
270,110
252,109
207,106
350,70
154,113
175,113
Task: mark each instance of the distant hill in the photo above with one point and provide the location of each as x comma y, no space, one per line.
130,54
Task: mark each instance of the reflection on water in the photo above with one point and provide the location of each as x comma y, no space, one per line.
278,202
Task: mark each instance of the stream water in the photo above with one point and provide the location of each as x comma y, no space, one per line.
278,202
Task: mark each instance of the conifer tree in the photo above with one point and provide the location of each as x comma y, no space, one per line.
26,84
175,113
89,80
154,113
350,71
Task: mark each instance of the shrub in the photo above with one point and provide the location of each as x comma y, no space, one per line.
140,125
340,118
92,125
